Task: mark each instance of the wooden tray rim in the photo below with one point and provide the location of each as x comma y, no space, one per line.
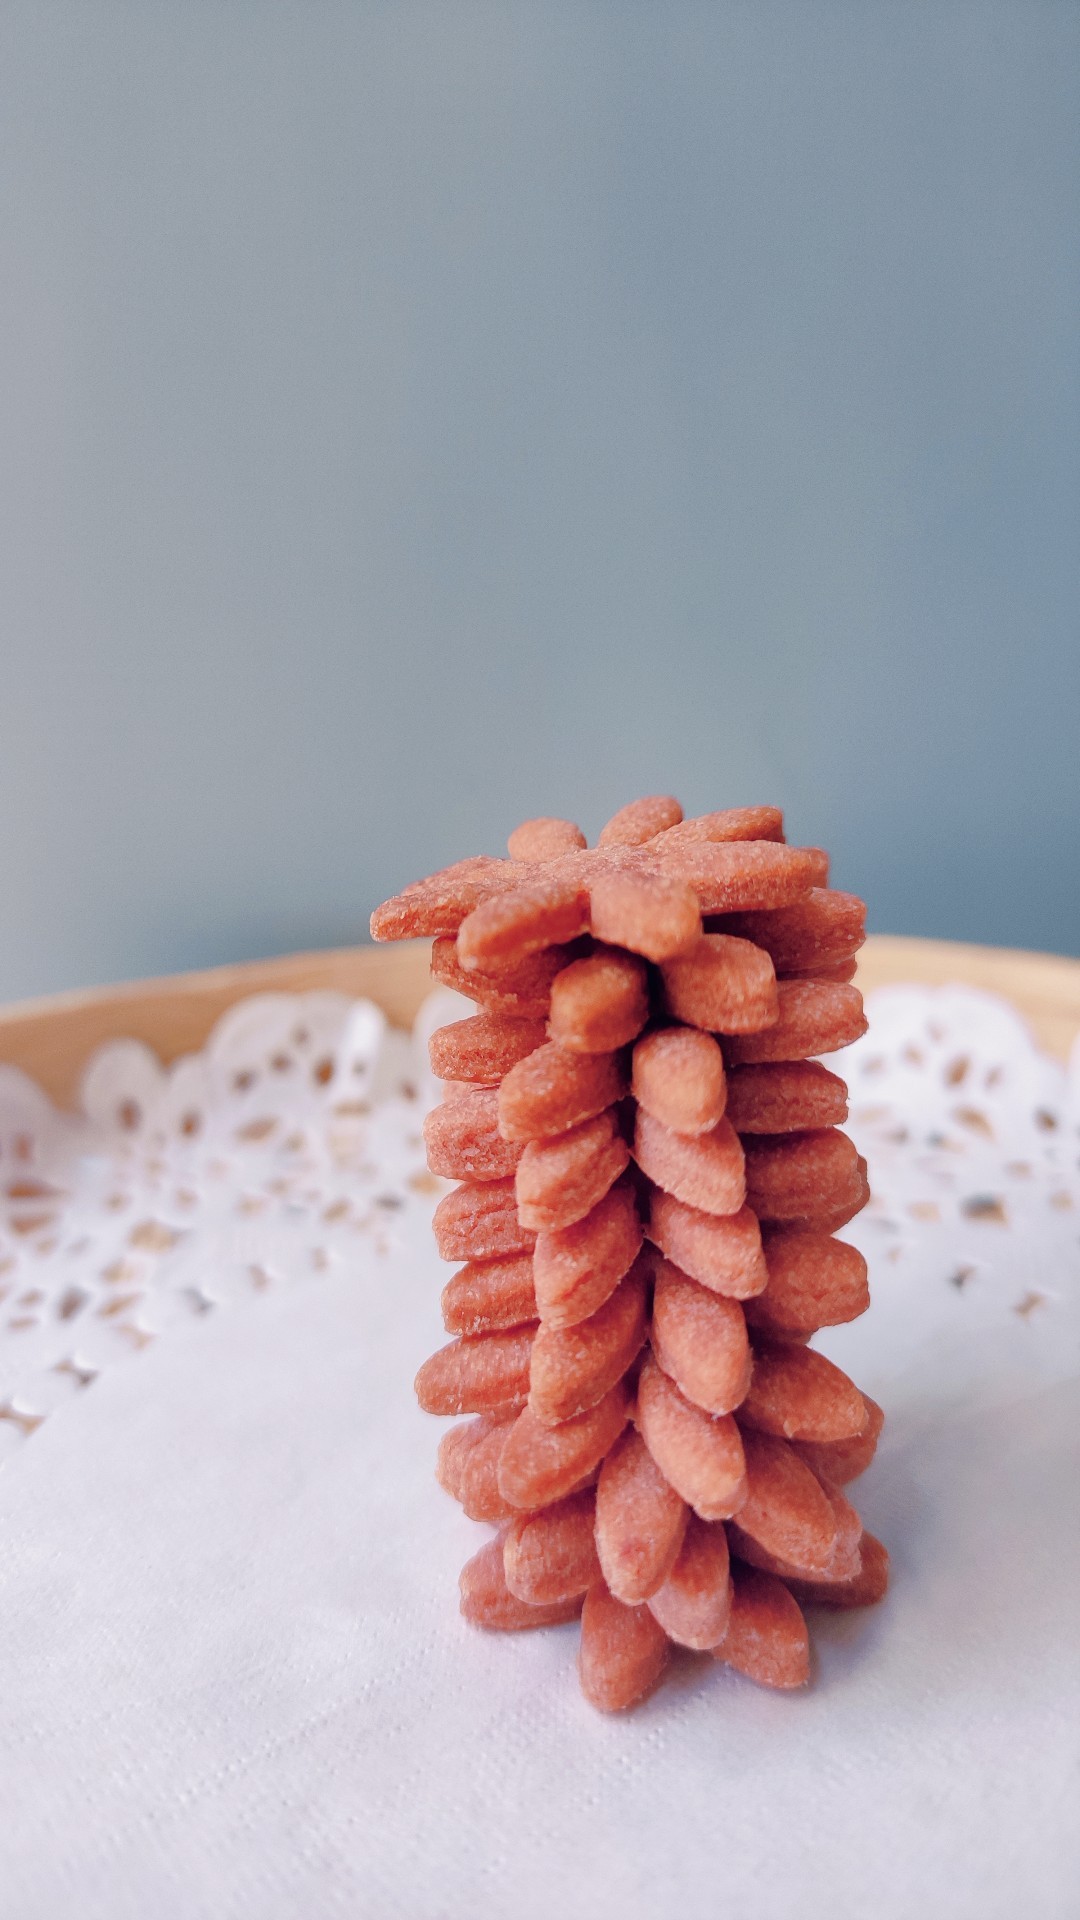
52,1038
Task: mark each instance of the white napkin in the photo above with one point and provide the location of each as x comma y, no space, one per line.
235,1682
235,1685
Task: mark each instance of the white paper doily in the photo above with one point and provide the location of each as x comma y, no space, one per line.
235,1683
291,1144
286,1148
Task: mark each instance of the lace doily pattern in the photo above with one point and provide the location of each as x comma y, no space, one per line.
289,1145
292,1143
973,1142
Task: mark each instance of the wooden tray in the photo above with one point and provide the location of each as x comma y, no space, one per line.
51,1039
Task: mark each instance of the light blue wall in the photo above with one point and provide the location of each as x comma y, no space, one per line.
417,417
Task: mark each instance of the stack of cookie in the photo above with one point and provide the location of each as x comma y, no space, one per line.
650,1177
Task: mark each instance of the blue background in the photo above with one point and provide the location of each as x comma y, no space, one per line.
413,418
